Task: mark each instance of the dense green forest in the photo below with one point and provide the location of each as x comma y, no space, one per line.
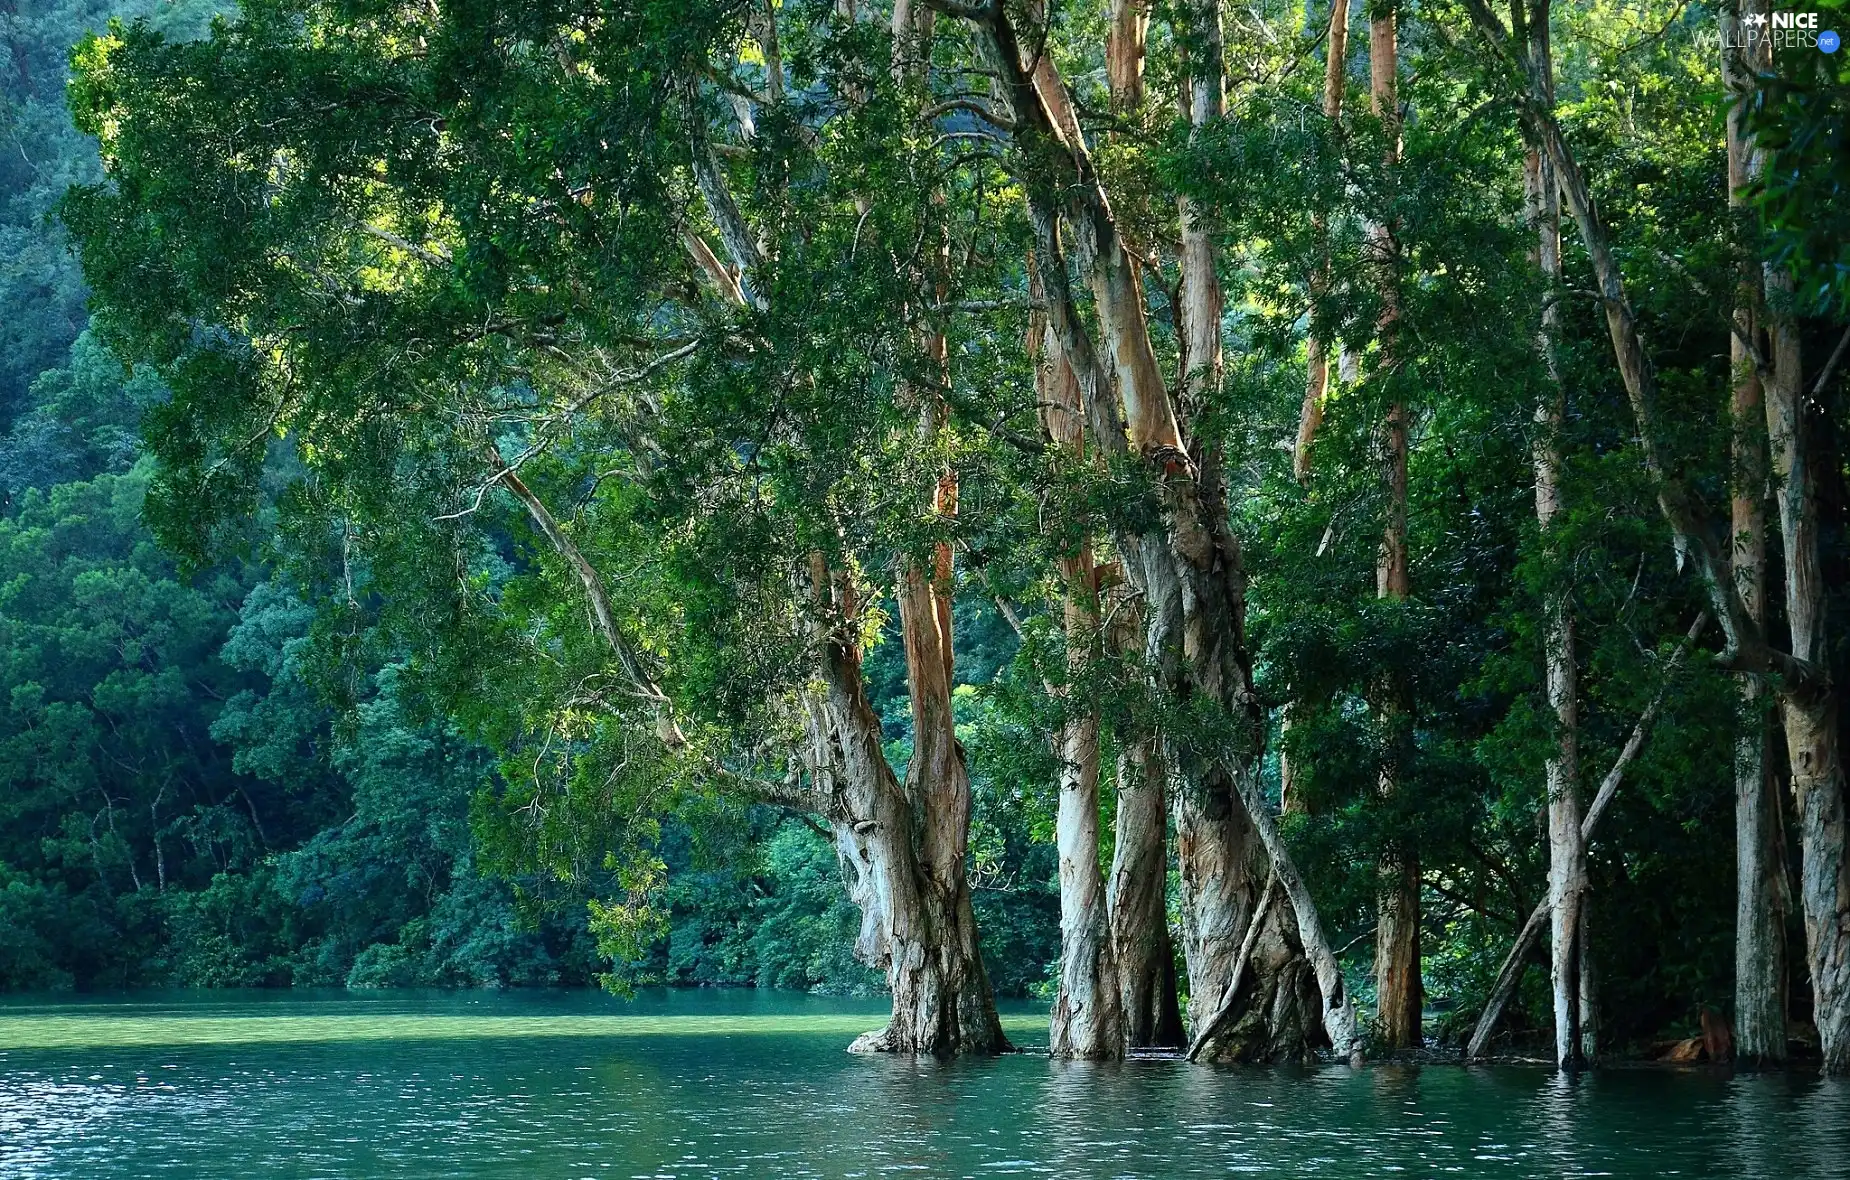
226,775
1274,529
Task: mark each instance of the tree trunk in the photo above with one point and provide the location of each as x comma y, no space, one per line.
1397,931
1088,1015
1760,981
1809,710
1567,850
1124,52
1746,647
1087,1019
1808,704
1224,868
1137,893
1317,364
1138,902
1511,971
910,860
1204,555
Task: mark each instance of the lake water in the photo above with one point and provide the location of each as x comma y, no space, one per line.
740,1083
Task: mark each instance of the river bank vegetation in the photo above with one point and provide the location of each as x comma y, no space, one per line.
1276,528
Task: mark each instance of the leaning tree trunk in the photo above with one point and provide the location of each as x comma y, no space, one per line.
1810,710
1760,841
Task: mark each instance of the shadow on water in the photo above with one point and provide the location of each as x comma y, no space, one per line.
758,1084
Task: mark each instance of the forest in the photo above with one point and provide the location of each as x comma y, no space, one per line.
1275,530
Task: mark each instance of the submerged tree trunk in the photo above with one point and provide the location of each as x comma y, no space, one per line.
1567,850
1809,710
917,923
1087,1019
1397,931
1138,902
1760,842
1511,971
1807,698
1203,555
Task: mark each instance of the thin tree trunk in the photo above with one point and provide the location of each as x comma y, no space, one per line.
1809,710
1746,648
1317,367
1760,870
1808,701
1567,851
1397,930
1510,973
1087,1019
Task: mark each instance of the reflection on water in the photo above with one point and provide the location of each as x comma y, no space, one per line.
700,1084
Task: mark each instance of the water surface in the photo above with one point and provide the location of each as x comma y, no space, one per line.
741,1083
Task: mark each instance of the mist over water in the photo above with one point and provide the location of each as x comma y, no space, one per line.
744,1083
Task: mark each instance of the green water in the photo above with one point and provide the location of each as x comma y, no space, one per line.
703,1084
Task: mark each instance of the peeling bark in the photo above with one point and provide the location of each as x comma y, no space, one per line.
902,848
1809,711
1203,557
1087,1020
1124,53
1760,981
1139,906
917,923
1567,850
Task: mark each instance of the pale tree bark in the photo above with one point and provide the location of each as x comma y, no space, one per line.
917,923
1087,1020
1124,53
1229,936
1808,703
1510,974
1205,556
1397,932
1760,864
902,848
1809,710
1310,416
1567,850
1136,895
1137,889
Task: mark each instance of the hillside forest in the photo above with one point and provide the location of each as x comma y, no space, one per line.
1272,529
